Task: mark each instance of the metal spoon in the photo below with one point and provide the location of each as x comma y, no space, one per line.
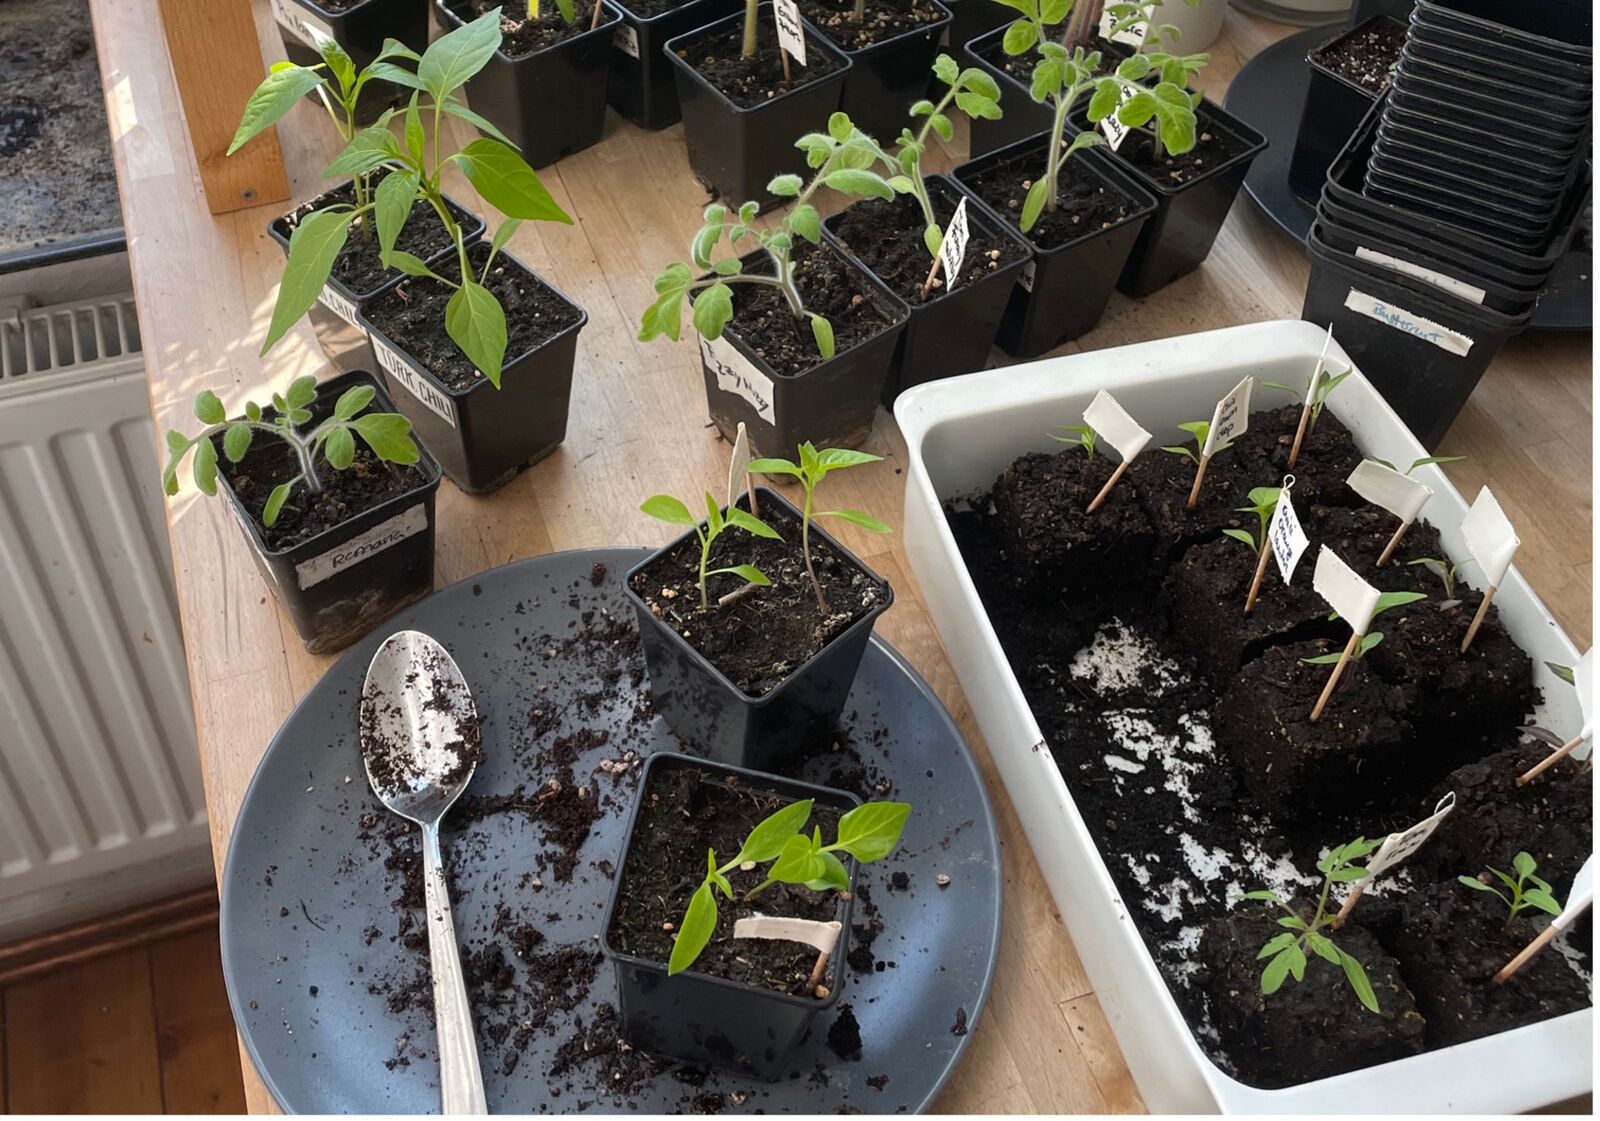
420,742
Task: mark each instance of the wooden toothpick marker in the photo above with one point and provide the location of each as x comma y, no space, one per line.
1400,494
1300,433
1229,420
1311,398
1349,904
1199,477
1492,542
1395,848
816,972
1394,543
1546,936
1113,424
933,274
1261,571
1333,678
1477,619
1105,490
1552,759
1352,599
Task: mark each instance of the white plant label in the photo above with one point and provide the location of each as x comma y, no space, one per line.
1113,425
1353,598
300,23
820,936
1289,541
626,39
385,534
1025,277
340,306
737,374
1408,322
415,384
1397,846
1316,374
1579,899
739,465
1230,419
1133,36
1399,494
1450,284
1116,132
791,32
1490,538
953,247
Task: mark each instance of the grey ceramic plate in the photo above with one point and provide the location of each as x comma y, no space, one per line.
317,939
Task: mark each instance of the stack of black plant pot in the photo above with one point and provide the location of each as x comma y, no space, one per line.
1443,217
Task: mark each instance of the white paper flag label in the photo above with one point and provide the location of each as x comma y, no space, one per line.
1133,36
1383,486
1490,538
1579,899
1397,846
737,374
739,465
1113,425
1316,374
791,32
820,936
1116,132
1230,419
1289,541
953,248
1353,598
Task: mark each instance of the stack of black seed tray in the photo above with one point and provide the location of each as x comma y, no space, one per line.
1442,218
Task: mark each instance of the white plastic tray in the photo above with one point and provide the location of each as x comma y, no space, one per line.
961,434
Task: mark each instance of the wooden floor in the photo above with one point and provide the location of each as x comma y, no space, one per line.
139,1030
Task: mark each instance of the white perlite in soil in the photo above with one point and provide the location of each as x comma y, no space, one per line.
1121,660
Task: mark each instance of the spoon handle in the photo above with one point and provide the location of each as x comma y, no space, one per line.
460,1079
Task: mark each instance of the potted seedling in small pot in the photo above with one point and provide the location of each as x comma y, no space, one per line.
643,86
753,628
333,495
806,349
736,982
903,243
362,30
543,85
891,44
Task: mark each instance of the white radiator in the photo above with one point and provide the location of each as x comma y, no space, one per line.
101,804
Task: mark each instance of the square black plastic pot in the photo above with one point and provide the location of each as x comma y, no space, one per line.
832,404
972,18
1334,106
1502,83
1500,172
484,437
1501,48
712,715
953,332
735,152
1559,30
360,30
341,583
1520,229
1559,128
886,78
642,87
706,1020
1022,116
551,102
1064,290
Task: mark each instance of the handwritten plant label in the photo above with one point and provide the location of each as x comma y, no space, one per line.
415,384
1490,538
1133,36
1289,541
1397,846
739,465
1322,365
1230,419
1450,284
1399,494
953,247
382,536
738,375
820,936
1408,323
1116,132
1353,598
791,32
340,306
1025,277
300,23
1113,424
626,39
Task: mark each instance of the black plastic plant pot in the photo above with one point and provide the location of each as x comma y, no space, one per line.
736,151
550,102
832,404
1064,290
1560,32
642,87
1423,350
360,29
1334,107
483,436
888,77
713,1021
1022,116
714,716
338,585
1499,52
971,18
953,332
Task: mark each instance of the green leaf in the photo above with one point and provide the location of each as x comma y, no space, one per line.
1241,535
1263,896
1565,673
1297,961
237,442
394,48
458,55
476,322
367,149
205,466
388,435
751,524
856,517
1323,947
392,206
274,506
871,831
835,877
353,400
1431,459
313,246
1367,642
411,265
798,863
855,181
1357,976
340,448
1321,660
1276,944
748,572
208,408
481,123
1347,875
506,182
1475,884
840,127
1524,864
389,72
276,95
713,308
1104,100
1046,79
785,186
302,391
694,932
1542,899
339,62
932,239
1396,599
663,507
1033,203
822,331
416,135
945,69
806,222
252,410
1019,38
977,105
942,127
767,839
1273,975
503,234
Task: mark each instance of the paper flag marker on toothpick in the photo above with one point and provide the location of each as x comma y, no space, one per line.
1354,599
1395,848
1229,420
1285,541
1311,397
739,471
1115,426
1583,682
820,936
1579,900
1492,543
1399,494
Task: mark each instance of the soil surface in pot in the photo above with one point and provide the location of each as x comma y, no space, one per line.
1213,148
1020,67
359,265
751,82
762,637
1327,455
1164,479
411,314
522,36
1084,204
881,20
887,237
1365,56
647,9
685,812
831,287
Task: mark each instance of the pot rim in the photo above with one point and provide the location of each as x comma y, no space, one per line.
813,37
1322,68
610,9
630,16
875,48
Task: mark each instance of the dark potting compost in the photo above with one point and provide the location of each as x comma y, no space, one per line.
1367,57
749,82
887,238
1212,148
881,19
1181,727
359,265
523,36
1084,204
324,939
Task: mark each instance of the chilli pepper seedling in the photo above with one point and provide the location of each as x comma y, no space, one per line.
1423,462
1285,953
810,471
1386,601
1327,382
668,509
1446,571
1078,435
869,832
1263,504
1527,891
388,435
1199,429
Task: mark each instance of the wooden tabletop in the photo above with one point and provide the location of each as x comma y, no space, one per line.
205,287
